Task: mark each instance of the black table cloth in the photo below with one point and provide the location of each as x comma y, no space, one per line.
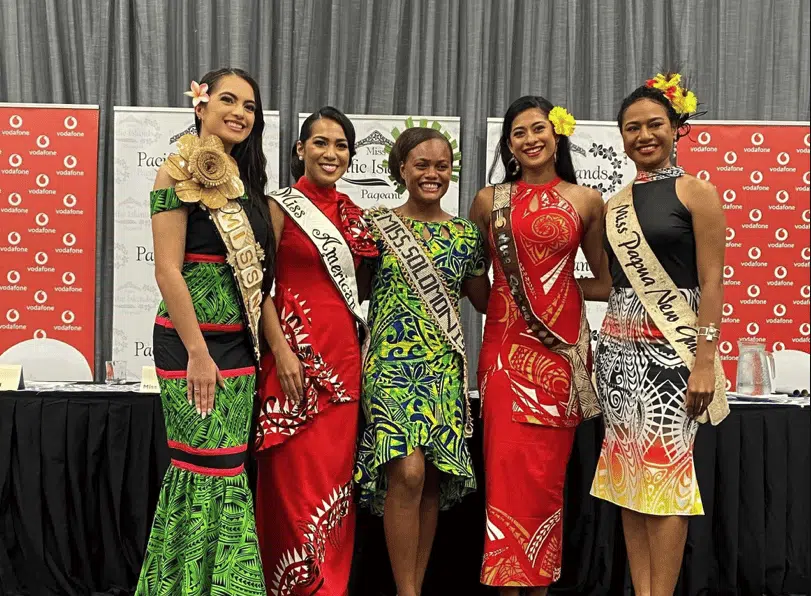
79,475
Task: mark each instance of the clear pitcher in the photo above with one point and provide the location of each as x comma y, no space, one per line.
755,369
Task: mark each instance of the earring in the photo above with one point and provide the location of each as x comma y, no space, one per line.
300,158
513,167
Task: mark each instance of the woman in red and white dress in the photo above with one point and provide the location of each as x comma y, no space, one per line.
310,379
529,407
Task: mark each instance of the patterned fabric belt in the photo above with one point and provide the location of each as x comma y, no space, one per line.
226,461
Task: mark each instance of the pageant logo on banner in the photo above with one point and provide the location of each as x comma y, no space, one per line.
600,163
142,140
48,161
367,181
761,173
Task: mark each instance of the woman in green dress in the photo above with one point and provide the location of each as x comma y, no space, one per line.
413,459
213,242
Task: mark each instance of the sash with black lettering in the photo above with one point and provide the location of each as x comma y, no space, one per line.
582,386
244,256
425,280
331,244
669,310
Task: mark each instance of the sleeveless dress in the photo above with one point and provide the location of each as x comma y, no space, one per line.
203,540
413,389
306,455
525,389
646,461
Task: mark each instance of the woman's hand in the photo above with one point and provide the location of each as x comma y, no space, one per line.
290,373
202,376
700,389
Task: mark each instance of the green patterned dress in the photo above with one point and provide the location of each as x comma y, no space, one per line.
412,378
203,540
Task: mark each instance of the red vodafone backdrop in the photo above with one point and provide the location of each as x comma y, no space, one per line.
48,157
762,174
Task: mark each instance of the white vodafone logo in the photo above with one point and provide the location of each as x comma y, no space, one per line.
14,199
69,239
783,158
807,178
43,180
725,347
727,310
12,315
752,329
780,272
13,277
41,258
755,215
15,160
753,291
43,141
728,384
40,297
782,196
806,254
704,138
730,157
730,234
805,329
71,123
805,291
16,121
40,334
68,317
781,234
41,219
807,216
703,175
69,201
757,139
807,140
754,253
70,162
756,177
778,346
14,238
68,278
729,196
729,271
779,310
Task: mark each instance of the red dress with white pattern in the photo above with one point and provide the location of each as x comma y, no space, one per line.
528,433
305,514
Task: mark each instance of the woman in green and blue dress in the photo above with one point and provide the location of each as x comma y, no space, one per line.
413,459
203,540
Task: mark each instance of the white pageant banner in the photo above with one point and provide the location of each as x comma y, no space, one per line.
142,139
600,162
367,181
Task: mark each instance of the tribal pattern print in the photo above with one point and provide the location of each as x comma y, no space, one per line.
646,462
203,540
280,417
506,537
301,567
412,378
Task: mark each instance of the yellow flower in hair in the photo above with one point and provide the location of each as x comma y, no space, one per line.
682,100
562,120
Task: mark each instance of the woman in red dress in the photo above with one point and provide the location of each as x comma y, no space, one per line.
310,378
534,366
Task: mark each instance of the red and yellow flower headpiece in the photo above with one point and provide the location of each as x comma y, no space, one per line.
683,100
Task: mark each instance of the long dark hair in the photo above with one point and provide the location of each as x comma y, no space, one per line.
334,114
564,167
680,122
248,154
408,139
